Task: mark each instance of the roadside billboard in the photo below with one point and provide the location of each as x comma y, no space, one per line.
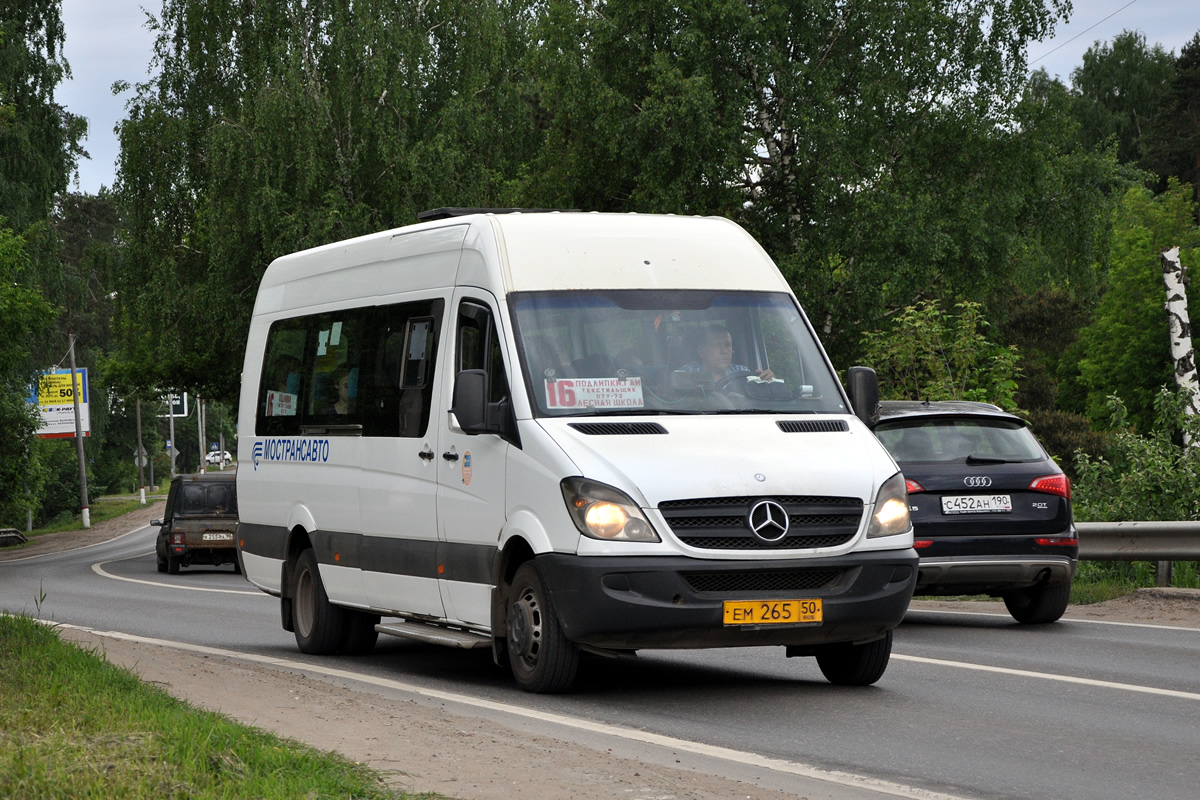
55,402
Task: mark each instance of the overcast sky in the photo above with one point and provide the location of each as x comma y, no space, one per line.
107,41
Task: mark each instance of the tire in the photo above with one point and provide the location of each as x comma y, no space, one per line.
360,633
172,565
320,626
237,564
542,659
855,664
1039,604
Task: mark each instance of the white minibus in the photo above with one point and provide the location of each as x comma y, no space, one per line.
560,433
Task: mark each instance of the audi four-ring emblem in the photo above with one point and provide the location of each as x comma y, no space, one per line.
977,481
768,520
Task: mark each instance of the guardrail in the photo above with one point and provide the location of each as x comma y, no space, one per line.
1139,541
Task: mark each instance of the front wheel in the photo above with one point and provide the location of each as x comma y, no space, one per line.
320,626
543,660
848,664
1039,604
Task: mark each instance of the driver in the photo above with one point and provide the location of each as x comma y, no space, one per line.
716,357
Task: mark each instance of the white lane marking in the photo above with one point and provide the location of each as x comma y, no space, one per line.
846,779
1064,619
98,568
1024,673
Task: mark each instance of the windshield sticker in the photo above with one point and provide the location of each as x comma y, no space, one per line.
594,393
281,404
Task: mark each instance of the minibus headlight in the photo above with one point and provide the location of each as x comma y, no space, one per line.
891,509
602,512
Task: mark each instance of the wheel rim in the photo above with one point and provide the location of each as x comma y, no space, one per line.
525,627
303,604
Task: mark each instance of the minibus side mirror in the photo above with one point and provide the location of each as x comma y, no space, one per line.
470,400
863,388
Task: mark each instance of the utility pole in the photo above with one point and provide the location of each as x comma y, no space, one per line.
200,429
171,423
141,455
83,492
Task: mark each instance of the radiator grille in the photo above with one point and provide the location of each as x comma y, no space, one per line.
720,523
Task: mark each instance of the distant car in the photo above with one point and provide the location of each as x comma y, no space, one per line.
200,523
218,457
991,511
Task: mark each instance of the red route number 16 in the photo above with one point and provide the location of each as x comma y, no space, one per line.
560,394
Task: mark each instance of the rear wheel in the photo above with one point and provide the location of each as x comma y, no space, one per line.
1039,604
543,660
855,664
320,626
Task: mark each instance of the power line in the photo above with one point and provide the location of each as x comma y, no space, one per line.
1082,32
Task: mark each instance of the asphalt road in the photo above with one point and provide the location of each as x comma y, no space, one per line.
973,706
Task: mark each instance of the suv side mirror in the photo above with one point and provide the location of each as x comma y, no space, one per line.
156,523
863,388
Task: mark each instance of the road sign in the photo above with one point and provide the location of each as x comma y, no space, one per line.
177,405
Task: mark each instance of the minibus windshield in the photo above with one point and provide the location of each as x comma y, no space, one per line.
600,353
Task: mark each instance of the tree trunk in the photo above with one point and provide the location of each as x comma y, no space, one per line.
1183,356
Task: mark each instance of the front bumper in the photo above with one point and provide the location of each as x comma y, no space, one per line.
629,603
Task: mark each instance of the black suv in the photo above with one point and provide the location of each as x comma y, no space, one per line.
200,524
991,511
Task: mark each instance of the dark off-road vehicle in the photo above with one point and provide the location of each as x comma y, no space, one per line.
200,525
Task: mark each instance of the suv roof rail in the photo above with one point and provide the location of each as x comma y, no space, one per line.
446,212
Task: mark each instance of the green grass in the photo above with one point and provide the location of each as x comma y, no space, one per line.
75,726
102,509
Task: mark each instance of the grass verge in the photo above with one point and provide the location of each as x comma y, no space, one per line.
97,512
74,726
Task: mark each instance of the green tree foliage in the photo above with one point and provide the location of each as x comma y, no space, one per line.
1149,475
1119,89
928,354
39,139
1125,349
1174,140
882,153
26,316
275,126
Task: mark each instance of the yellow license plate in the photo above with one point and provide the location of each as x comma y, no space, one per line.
772,612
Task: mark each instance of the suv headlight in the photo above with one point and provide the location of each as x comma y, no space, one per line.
602,512
891,509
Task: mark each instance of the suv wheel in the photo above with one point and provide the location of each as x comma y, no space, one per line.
1039,604
848,664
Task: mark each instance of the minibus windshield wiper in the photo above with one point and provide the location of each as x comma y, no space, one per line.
639,412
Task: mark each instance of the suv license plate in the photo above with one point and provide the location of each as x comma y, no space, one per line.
772,612
977,504
217,537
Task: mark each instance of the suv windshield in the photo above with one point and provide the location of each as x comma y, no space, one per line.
670,352
949,440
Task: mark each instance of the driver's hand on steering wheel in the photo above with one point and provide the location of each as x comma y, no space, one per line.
766,375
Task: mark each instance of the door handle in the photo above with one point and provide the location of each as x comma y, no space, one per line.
426,454
450,456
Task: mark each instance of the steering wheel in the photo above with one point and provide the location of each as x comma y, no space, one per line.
735,382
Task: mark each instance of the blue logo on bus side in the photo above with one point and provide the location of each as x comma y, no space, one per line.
293,450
